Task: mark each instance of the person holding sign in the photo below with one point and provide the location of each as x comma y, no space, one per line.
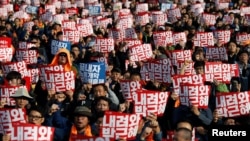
36,116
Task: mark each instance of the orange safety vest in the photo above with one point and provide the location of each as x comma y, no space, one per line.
87,132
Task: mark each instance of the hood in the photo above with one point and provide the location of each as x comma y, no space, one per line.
67,67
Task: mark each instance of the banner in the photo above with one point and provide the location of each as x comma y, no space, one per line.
165,6
129,88
142,18
50,8
159,18
190,79
15,66
129,33
94,73
6,54
10,116
116,34
216,54
208,19
140,52
5,42
223,36
56,44
147,102
204,39
44,68
34,74
142,7
180,55
79,3
220,71
174,13
104,45
47,16
59,81
31,132
73,36
233,104
242,37
83,138
163,38
124,23
179,37
194,95
159,70
103,22
189,67
72,11
117,125
6,92
85,29
28,56
31,9
131,43
94,10
68,24
25,45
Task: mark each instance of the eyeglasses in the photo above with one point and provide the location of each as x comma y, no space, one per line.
35,117
63,55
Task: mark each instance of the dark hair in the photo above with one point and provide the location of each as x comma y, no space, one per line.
187,133
135,74
199,64
103,85
38,109
184,121
13,75
116,70
98,99
243,51
59,34
73,54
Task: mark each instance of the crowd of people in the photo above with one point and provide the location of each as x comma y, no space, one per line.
81,110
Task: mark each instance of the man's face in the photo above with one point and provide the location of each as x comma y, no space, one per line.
81,121
62,59
21,102
244,57
35,117
102,105
36,42
115,76
99,91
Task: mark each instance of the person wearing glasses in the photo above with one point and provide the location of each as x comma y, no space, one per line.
62,57
36,116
